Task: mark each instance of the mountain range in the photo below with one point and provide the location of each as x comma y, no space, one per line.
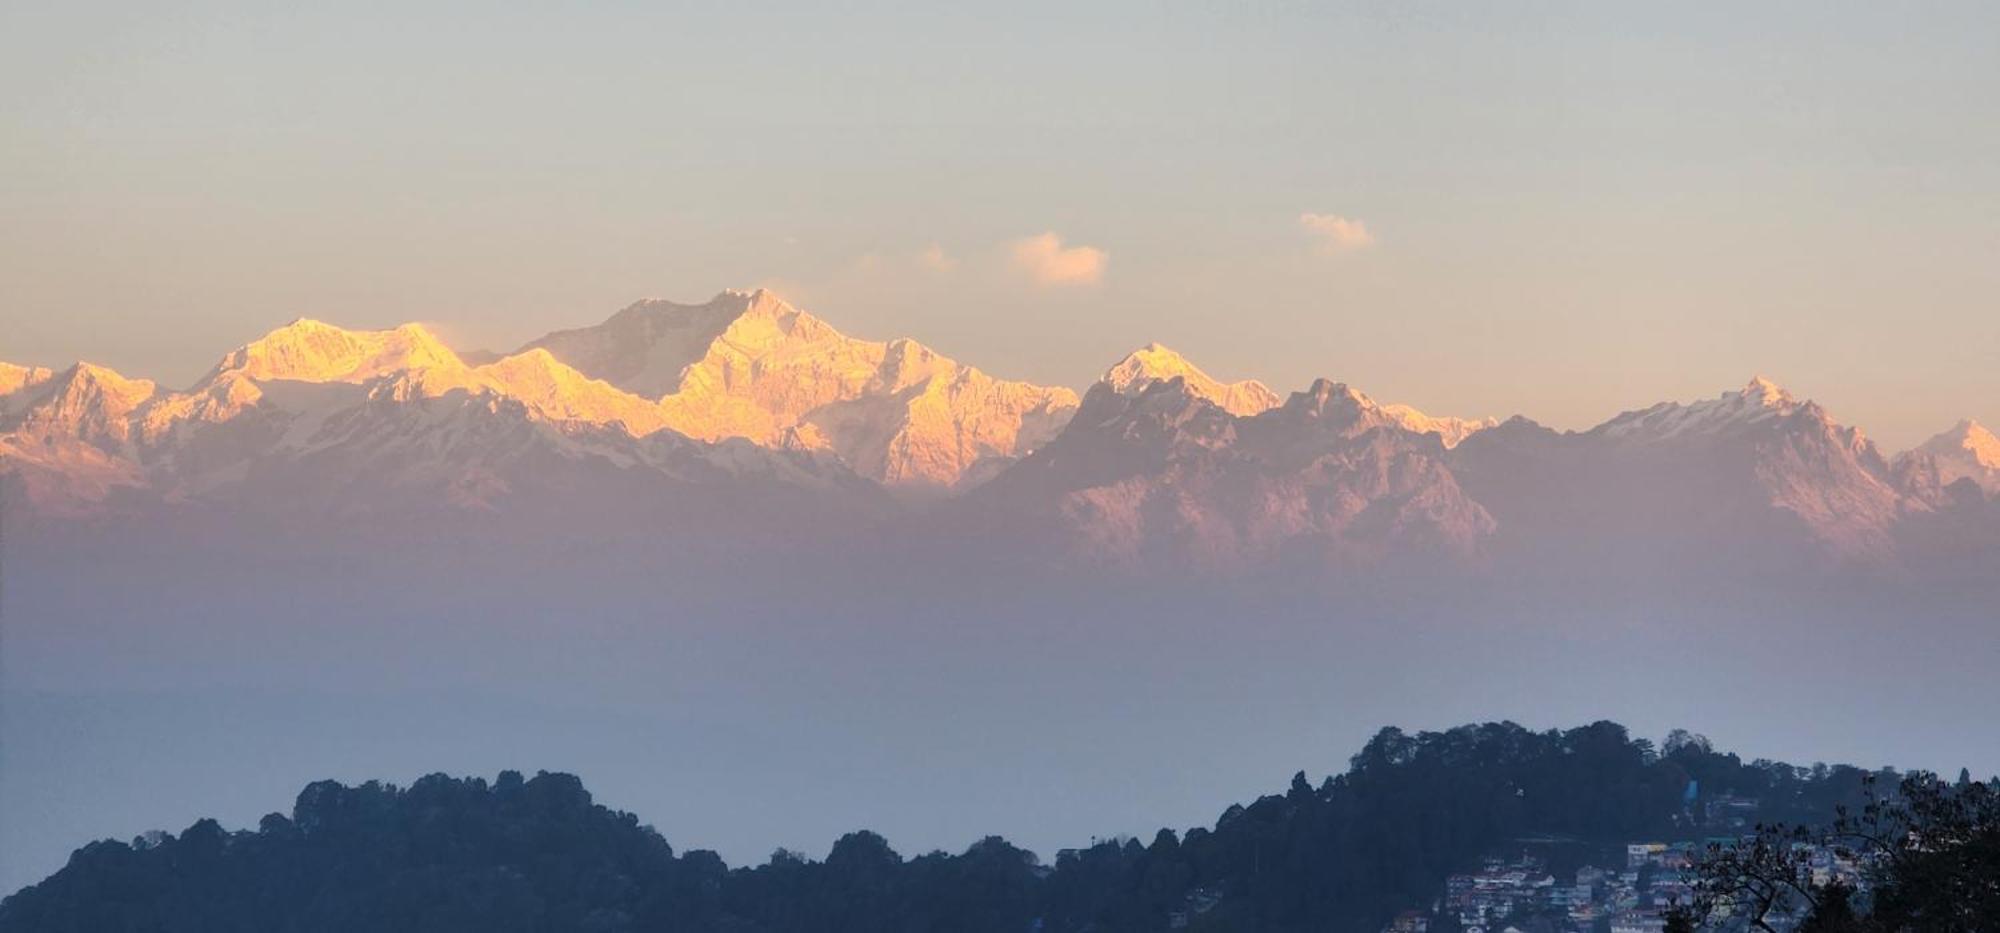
745,412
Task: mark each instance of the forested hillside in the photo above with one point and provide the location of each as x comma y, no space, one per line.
538,854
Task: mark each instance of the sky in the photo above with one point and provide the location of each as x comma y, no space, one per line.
1562,210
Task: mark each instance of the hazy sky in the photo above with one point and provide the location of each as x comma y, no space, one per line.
1557,209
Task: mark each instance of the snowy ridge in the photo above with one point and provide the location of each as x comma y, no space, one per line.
15,378
1759,402
1966,452
748,365
1167,477
763,408
396,408
1155,363
1451,430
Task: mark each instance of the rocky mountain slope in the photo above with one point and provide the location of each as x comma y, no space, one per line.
1754,476
1166,475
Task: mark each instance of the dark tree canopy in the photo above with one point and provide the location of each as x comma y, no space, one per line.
1932,851
448,854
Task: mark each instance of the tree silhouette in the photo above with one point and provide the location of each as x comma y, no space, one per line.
1930,849
539,854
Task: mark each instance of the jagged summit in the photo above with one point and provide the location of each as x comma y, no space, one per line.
1157,363
90,381
1970,439
307,350
1764,392
743,365
1330,402
1450,429
86,401
1334,412
1758,401
646,346
14,378
1154,362
1358,412
1167,409
353,420
1759,461
750,365
67,438
1160,472
405,361
1967,451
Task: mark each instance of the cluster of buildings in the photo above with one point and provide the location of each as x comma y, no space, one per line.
1199,901
1520,894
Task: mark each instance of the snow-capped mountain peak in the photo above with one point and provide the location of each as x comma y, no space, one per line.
1340,409
1761,400
1326,397
87,402
15,378
1967,451
1449,429
1783,458
1160,471
1765,392
307,350
559,393
647,346
749,365
1971,439
68,437
1155,363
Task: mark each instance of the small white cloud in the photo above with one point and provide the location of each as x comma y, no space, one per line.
1047,261
1336,234
936,259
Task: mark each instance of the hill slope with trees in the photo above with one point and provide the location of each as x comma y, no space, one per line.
539,854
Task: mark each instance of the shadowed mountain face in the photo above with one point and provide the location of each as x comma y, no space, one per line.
747,418
1344,854
1753,480
1166,477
